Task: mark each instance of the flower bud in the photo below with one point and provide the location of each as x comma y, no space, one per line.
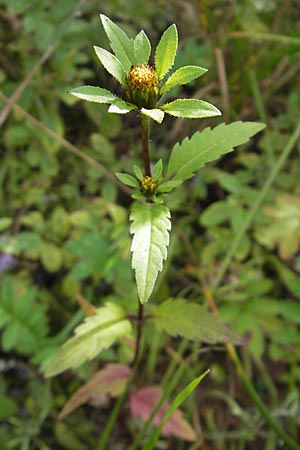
142,86
148,186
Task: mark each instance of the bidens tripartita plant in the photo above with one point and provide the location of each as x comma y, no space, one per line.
144,84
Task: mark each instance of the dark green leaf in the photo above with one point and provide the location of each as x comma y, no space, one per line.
142,48
111,64
182,76
166,51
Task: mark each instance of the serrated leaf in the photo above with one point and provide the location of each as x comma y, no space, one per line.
120,107
182,76
112,379
191,321
155,114
94,335
142,48
119,42
128,180
192,154
93,94
191,108
150,229
142,403
111,64
166,51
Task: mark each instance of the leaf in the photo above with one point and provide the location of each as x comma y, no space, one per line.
119,42
91,337
150,227
191,108
157,169
51,257
155,114
93,94
128,180
120,107
182,76
192,321
142,48
192,154
142,403
138,172
179,399
168,186
5,222
111,64
112,379
166,51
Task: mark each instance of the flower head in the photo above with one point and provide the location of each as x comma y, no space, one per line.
144,84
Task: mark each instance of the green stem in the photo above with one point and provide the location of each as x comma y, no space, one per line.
102,444
139,334
256,205
145,143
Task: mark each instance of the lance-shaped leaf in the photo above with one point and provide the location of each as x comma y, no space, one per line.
142,48
94,335
189,156
155,114
182,76
166,51
150,229
120,107
191,108
127,179
178,317
111,64
93,94
120,43
112,380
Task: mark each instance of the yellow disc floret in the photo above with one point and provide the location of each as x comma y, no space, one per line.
148,186
142,86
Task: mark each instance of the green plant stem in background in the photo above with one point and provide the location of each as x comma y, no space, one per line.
102,444
260,198
139,334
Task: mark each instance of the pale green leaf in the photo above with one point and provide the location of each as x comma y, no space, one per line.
128,179
178,317
93,94
119,42
5,222
189,156
166,51
51,257
191,108
120,107
157,169
138,172
111,64
168,186
182,76
142,48
150,229
155,114
97,333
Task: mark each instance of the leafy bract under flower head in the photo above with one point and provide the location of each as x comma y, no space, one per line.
144,84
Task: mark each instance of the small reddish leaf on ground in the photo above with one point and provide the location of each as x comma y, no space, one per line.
110,380
142,403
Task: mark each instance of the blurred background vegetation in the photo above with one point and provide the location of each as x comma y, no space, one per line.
64,219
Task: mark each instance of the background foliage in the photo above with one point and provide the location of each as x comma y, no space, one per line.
64,218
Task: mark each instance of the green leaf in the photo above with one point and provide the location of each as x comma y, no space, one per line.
5,222
191,108
93,94
119,42
191,321
138,172
178,400
157,169
182,76
51,257
192,154
120,107
111,64
142,48
166,51
128,179
150,227
168,186
94,335
155,114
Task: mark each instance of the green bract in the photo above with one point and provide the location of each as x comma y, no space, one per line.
144,84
